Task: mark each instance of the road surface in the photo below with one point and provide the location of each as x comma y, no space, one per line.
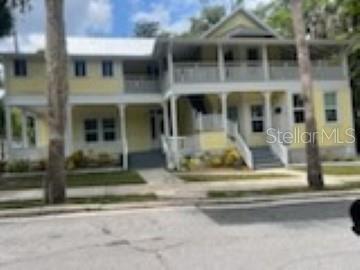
312,235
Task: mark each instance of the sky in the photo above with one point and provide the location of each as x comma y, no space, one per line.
112,18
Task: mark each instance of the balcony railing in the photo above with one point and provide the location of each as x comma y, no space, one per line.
142,84
251,71
196,72
246,71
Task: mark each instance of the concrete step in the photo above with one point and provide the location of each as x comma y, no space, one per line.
147,160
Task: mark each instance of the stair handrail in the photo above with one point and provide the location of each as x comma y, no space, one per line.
277,146
241,145
168,151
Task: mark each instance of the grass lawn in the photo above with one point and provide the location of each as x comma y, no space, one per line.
277,191
80,180
227,177
337,170
90,200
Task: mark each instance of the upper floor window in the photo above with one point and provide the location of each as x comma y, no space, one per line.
20,67
107,68
330,104
257,118
80,68
299,110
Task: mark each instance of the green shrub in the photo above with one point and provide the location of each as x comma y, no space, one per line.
104,159
40,165
18,166
2,166
76,160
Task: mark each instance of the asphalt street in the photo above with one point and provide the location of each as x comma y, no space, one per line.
290,235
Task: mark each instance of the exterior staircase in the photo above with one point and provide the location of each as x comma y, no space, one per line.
264,158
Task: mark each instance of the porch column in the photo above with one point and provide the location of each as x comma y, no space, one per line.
166,118
268,114
174,129
69,130
290,110
24,136
9,131
221,62
122,112
224,113
170,62
265,61
174,122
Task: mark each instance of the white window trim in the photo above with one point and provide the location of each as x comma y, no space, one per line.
74,68
103,130
297,109
102,69
332,107
257,118
100,130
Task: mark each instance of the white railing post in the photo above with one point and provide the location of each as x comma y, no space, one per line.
122,112
223,98
221,62
174,128
265,62
9,131
69,131
166,118
268,114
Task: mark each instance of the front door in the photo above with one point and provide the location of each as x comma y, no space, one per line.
156,126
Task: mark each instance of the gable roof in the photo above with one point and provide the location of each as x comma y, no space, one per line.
263,28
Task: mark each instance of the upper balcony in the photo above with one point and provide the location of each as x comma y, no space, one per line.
235,63
253,71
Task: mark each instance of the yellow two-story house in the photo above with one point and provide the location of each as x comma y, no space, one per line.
143,99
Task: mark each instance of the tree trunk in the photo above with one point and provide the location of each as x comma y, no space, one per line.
57,83
314,170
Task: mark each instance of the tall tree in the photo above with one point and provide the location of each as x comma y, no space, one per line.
147,29
210,15
57,83
6,22
314,170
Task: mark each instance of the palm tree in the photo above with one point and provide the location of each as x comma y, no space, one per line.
314,170
57,83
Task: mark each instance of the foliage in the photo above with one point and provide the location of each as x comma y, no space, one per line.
76,160
209,16
6,21
146,29
104,160
2,166
17,166
89,160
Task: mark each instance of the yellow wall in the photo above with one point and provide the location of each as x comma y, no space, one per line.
93,83
138,128
340,127
239,20
213,140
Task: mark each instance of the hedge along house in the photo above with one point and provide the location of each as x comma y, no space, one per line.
237,85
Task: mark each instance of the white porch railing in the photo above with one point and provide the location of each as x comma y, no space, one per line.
322,70
196,72
141,84
234,134
208,122
277,146
175,148
31,153
244,71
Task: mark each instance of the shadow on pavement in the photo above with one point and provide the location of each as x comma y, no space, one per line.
301,212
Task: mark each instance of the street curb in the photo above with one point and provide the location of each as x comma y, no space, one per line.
180,202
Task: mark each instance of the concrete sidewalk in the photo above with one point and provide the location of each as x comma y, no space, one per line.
167,186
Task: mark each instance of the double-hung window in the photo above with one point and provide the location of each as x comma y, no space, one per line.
330,105
20,68
80,68
299,110
108,129
91,129
107,68
257,118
